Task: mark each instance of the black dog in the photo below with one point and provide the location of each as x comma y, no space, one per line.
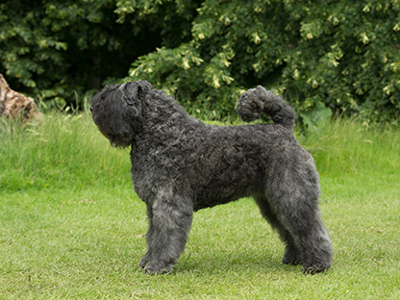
181,165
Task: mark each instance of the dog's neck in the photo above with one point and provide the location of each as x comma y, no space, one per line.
173,115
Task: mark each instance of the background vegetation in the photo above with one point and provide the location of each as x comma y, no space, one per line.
343,55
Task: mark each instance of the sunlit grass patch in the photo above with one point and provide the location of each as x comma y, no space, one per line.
71,226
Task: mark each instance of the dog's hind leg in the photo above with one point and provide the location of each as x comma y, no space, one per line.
292,254
169,225
294,199
310,236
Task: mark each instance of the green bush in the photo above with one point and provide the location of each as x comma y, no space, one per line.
58,51
342,54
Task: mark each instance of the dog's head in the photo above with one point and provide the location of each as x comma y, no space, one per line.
116,111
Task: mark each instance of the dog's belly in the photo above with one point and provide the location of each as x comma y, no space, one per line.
207,201
223,188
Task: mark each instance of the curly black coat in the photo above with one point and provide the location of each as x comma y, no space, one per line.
181,165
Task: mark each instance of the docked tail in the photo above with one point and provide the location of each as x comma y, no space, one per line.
256,101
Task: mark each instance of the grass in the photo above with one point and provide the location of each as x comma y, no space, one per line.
71,226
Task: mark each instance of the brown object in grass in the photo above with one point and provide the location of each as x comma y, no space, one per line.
15,105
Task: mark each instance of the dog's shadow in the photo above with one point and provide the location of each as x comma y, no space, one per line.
240,261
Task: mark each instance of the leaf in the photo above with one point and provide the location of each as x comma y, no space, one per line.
316,119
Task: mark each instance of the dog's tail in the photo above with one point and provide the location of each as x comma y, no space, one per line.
256,101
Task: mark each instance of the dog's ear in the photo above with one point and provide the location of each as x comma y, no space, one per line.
131,92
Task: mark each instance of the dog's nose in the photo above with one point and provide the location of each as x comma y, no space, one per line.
91,109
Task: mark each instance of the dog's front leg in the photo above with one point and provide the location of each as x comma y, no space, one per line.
169,225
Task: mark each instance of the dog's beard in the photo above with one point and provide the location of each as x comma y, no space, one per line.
105,134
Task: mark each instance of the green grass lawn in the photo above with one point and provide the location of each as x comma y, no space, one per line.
71,226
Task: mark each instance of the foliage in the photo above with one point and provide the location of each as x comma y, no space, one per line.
342,54
62,49
316,119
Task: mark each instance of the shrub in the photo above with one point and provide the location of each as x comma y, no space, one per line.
342,54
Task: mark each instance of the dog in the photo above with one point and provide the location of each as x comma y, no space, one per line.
181,165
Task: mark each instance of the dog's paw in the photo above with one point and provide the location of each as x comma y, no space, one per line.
157,269
314,269
144,261
292,257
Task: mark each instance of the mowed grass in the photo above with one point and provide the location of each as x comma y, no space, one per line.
71,226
